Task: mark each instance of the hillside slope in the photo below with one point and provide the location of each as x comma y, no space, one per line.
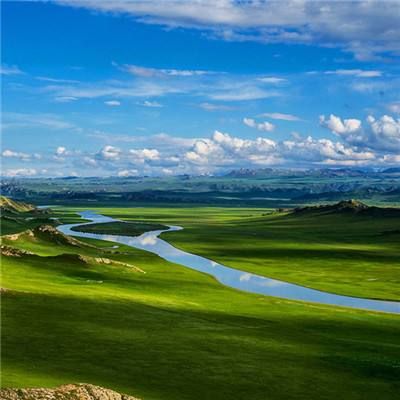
9,205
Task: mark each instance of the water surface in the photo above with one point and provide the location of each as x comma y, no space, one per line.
234,278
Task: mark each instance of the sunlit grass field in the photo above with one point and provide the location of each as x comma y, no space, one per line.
173,333
344,253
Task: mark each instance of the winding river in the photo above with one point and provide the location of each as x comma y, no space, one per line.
234,278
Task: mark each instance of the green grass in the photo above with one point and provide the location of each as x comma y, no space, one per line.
173,333
341,253
120,228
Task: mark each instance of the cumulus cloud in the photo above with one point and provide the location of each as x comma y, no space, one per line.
322,151
127,172
13,172
142,155
15,154
61,150
381,134
224,150
89,161
109,153
261,126
339,126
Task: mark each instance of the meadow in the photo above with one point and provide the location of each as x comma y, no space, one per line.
174,333
340,252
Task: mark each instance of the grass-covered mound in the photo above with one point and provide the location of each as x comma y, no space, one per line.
174,333
354,207
17,216
45,240
120,228
13,206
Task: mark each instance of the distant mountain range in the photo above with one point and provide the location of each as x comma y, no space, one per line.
268,187
263,173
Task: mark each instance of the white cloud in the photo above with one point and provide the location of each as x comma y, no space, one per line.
55,80
148,72
243,93
109,153
381,134
61,150
13,172
377,144
336,125
89,161
51,121
142,155
394,107
261,126
368,29
280,116
10,70
214,107
64,99
152,104
384,133
390,159
322,150
223,150
116,89
167,171
370,87
112,103
127,172
359,73
15,154
272,79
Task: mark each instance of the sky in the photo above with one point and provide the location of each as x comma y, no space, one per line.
132,88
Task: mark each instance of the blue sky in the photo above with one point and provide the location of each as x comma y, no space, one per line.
160,88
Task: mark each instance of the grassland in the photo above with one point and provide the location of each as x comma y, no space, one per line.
173,333
344,253
120,228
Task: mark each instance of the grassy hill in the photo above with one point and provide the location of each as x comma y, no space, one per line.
350,207
12,206
17,216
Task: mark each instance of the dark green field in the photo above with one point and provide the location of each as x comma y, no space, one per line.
120,228
173,333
